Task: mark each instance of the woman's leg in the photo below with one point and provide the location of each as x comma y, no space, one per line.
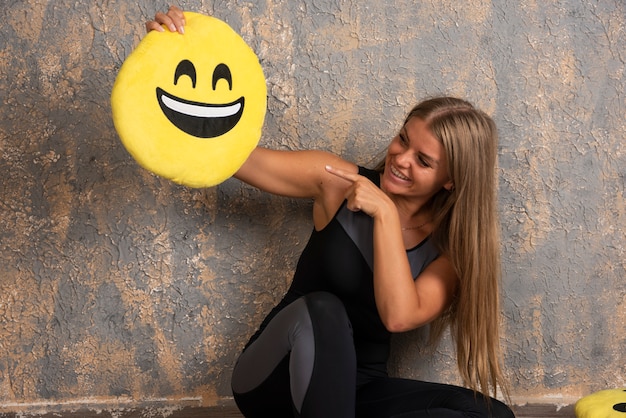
303,364
261,377
404,398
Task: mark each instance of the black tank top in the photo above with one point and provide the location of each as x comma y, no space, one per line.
339,259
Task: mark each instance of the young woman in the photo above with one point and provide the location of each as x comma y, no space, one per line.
411,243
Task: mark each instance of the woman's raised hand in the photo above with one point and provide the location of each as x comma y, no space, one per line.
362,195
174,20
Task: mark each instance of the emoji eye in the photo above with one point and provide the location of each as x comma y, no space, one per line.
222,72
185,67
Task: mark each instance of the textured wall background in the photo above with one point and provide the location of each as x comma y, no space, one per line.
118,287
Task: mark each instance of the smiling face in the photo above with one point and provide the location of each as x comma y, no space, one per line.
415,165
191,107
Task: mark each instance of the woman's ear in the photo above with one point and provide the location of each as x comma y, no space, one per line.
449,186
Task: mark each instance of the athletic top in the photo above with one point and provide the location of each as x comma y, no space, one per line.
339,259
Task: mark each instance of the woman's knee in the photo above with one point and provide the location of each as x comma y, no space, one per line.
326,304
329,319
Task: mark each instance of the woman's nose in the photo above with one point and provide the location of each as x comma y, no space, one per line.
404,158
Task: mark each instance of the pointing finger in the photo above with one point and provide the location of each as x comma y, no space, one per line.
342,173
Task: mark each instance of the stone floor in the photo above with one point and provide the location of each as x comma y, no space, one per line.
526,411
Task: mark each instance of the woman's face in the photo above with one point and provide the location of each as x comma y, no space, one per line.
415,165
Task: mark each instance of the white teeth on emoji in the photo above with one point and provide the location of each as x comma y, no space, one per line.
201,120
201,110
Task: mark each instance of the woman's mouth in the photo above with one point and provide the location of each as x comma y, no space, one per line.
398,174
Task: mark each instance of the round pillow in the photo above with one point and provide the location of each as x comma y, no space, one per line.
190,107
610,403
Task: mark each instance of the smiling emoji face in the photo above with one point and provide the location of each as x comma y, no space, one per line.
191,107
609,403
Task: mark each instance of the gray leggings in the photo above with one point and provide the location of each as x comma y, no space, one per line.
303,364
304,355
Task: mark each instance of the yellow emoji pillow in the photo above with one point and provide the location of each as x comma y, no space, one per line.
191,107
609,403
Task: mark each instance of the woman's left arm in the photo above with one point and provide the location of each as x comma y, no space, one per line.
403,303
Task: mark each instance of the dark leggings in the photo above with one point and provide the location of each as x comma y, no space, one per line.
304,365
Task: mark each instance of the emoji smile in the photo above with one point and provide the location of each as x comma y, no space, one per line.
201,120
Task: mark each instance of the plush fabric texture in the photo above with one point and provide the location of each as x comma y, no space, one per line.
191,107
610,403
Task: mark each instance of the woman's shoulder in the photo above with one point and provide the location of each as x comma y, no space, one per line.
372,175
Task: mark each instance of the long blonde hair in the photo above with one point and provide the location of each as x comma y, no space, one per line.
467,232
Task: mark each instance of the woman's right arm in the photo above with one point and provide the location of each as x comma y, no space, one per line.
292,173
299,174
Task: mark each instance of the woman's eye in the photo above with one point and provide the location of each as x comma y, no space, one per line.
423,162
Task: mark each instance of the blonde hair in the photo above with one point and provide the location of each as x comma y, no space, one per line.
467,232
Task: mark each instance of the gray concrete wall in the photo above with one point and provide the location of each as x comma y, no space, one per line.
118,287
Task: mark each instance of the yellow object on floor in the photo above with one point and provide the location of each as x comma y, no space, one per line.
610,403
